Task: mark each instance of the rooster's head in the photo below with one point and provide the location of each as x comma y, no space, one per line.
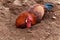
28,21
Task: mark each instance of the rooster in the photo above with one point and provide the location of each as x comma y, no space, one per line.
25,19
31,16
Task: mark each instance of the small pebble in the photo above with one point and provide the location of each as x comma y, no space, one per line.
29,31
53,17
55,14
17,2
57,2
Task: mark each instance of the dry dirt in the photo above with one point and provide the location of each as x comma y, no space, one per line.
48,29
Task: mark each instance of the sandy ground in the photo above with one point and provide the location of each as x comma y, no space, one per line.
48,29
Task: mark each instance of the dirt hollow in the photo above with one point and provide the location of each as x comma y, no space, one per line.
48,29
